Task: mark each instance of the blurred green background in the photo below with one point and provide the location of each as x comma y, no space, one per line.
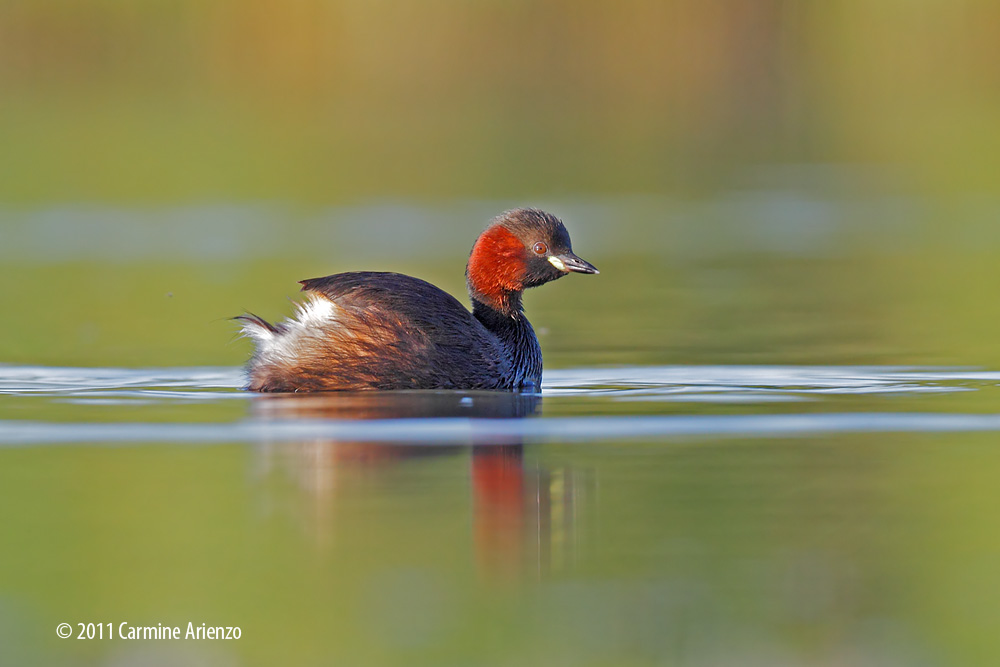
762,181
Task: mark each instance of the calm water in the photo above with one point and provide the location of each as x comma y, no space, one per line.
769,435
680,515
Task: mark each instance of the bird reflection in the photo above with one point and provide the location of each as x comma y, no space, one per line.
524,515
397,405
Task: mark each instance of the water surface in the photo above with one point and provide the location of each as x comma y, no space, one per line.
580,405
688,515
768,435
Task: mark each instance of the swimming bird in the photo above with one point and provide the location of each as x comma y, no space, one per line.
375,330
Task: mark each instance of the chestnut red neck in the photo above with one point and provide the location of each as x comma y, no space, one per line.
496,270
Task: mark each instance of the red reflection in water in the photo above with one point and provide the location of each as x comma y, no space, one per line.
524,516
500,508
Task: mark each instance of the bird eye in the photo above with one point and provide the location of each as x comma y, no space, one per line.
540,248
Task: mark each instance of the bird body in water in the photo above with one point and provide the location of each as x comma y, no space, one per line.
373,330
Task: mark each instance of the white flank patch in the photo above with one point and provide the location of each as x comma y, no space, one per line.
315,312
312,319
558,263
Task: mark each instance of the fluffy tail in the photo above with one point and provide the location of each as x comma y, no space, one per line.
257,327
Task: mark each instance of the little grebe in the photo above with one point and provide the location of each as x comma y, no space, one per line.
369,330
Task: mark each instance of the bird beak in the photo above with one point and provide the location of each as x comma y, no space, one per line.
570,262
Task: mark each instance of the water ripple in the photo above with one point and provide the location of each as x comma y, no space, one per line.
450,418
459,431
624,383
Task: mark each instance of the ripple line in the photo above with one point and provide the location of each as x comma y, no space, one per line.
457,431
